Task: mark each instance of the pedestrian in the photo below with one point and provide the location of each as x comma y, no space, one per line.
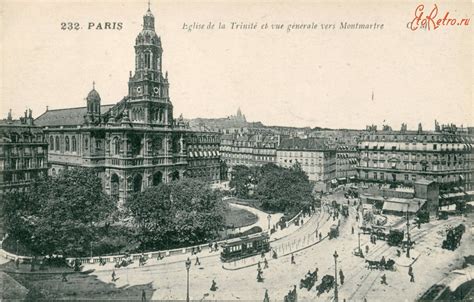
265,262
320,236
341,276
382,262
64,279
384,280
293,294
258,265
410,273
352,230
17,263
293,259
366,249
113,276
213,286
316,274
197,261
266,298
262,255
143,295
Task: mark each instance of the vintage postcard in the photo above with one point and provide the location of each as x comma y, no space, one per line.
158,150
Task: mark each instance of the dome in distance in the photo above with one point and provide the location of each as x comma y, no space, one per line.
93,95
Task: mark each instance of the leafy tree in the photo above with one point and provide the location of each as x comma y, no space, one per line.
282,189
243,178
60,214
181,212
152,213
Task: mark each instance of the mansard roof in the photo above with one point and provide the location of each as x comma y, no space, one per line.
66,116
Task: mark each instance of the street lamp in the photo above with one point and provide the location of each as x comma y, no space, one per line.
188,266
408,236
335,276
269,217
359,244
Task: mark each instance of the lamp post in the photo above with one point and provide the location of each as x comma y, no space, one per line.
408,236
335,276
269,217
359,243
188,266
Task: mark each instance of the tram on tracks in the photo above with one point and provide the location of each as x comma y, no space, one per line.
246,246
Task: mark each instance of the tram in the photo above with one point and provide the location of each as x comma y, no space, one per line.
246,246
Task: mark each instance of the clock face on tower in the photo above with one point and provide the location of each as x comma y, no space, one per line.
156,90
139,90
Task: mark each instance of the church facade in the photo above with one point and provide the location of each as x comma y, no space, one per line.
136,142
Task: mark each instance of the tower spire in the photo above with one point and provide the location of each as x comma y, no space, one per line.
93,84
149,5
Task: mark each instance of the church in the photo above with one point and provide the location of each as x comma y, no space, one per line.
136,142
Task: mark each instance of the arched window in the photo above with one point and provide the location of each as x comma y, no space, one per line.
147,60
66,142
56,143
114,186
116,146
51,143
74,144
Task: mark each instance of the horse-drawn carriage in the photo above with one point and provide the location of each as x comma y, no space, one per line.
381,264
333,231
327,283
366,229
309,280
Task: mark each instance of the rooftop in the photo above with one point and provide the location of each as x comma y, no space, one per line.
66,116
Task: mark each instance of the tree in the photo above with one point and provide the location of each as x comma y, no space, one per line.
182,212
282,189
62,214
152,213
242,179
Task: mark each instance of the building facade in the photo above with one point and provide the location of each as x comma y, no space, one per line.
444,155
204,161
315,158
249,149
23,156
347,160
23,153
136,142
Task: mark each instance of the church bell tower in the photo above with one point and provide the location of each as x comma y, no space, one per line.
148,88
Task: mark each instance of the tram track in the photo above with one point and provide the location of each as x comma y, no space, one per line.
416,236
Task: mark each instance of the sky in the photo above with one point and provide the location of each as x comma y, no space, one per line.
310,77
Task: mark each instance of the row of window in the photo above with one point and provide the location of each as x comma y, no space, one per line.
408,177
70,145
24,163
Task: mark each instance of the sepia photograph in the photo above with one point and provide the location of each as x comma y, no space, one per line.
244,150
